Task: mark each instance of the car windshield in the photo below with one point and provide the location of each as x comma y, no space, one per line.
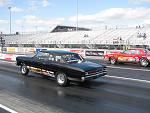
72,58
146,51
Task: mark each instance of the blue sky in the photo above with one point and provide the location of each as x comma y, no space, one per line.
33,15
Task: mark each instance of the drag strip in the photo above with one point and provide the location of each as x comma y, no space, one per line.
113,93
138,74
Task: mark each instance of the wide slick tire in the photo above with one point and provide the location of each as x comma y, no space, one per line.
144,62
24,70
113,61
62,79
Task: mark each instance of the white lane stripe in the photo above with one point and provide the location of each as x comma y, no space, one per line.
5,61
125,78
7,109
129,68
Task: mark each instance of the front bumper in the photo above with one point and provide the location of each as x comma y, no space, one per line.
95,76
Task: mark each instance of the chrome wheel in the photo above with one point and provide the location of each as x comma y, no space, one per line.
24,70
113,61
144,62
62,79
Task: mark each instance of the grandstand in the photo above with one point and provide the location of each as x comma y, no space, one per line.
83,38
68,29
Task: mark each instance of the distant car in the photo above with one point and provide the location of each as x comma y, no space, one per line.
62,65
134,55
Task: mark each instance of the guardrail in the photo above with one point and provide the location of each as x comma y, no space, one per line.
9,57
94,54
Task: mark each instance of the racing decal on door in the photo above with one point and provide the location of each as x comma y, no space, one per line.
127,59
121,59
131,59
42,71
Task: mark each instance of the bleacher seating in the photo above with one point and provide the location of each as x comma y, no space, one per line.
105,36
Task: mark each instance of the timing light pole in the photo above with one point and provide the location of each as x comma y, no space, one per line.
9,19
77,6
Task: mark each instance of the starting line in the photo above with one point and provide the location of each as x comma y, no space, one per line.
7,109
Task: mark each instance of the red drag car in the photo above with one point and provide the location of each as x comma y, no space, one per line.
134,55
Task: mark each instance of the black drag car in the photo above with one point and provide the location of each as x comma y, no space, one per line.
63,65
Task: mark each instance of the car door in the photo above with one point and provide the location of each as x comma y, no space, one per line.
48,63
129,56
124,56
38,60
135,56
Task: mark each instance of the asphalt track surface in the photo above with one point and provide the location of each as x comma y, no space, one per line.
126,89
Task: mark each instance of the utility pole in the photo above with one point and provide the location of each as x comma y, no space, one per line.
9,19
77,7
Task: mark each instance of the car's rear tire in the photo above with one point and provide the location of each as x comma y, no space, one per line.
113,61
144,62
24,70
62,79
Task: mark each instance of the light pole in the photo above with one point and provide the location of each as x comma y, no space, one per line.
77,6
9,19
36,29
22,28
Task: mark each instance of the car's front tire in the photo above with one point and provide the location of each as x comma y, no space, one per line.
24,70
62,79
144,62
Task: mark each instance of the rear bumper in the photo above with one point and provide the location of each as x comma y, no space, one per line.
89,77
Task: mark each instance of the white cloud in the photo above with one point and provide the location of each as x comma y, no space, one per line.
33,20
139,1
3,26
30,19
32,23
146,21
19,22
16,9
32,5
114,15
45,3
35,4
3,22
3,2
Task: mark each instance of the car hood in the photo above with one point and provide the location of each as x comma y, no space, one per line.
87,65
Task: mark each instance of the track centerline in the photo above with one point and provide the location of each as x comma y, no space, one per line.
133,69
127,78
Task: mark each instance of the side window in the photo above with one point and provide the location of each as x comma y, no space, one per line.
133,51
146,51
59,59
42,55
51,57
127,52
137,52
